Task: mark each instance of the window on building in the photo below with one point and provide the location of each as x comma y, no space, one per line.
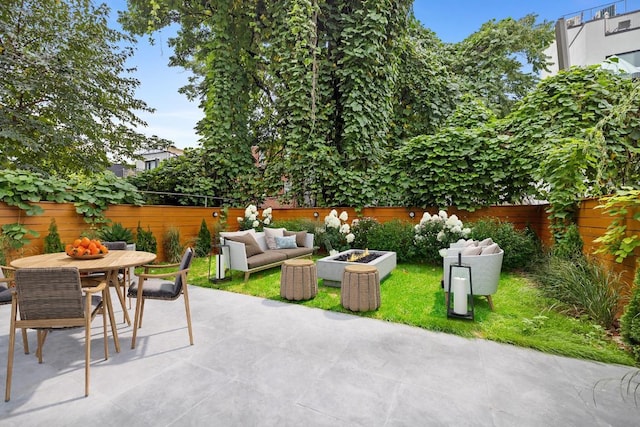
151,164
631,57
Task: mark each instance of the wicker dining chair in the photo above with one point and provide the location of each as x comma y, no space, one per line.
6,283
161,290
52,298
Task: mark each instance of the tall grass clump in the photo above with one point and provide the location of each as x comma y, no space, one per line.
520,246
630,320
172,246
583,285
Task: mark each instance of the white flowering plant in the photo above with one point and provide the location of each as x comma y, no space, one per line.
435,233
336,233
254,220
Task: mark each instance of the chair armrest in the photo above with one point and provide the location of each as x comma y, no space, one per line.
161,275
147,266
95,289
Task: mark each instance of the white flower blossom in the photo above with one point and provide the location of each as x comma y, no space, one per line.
255,224
253,217
443,252
440,236
466,231
247,212
267,221
332,221
344,216
456,229
350,237
345,229
333,213
355,222
240,219
442,214
254,208
266,212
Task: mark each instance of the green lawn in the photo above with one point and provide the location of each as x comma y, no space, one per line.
412,295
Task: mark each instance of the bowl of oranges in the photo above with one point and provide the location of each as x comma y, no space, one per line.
85,248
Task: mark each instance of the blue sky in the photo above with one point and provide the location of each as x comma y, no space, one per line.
453,21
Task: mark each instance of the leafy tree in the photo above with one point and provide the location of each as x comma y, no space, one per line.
489,63
66,106
319,92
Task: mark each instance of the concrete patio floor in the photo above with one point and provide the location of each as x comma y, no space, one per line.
257,362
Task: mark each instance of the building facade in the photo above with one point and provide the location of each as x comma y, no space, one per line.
591,36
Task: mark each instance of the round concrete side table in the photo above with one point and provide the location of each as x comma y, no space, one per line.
299,279
360,288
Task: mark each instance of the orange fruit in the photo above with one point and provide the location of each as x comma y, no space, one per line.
68,249
76,243
80,250
103,249
94,250
85,241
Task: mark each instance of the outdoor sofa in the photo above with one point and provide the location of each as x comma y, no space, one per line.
251,251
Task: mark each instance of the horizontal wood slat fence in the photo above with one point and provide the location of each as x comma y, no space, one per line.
592,222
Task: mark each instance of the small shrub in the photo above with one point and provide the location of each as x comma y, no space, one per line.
570,245
298,224
630,320
436,232
115,233
336,233
520,248
583,284
361,230
203,241
396,236
172,246
52,242
145,240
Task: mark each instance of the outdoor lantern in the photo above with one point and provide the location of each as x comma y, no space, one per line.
221,253
461,285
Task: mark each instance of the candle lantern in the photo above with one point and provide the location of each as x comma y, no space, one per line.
221,254
460,289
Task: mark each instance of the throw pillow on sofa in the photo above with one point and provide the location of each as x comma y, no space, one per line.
270,235
301,237
491,249
471,250
288,242
251,247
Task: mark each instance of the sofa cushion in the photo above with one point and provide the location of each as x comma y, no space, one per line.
471,250
301,237
270,234
294,253
251,247
264,258
287,242
491,249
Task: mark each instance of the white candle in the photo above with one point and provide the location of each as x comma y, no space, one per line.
220,270
459,289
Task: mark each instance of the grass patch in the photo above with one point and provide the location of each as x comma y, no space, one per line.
412,295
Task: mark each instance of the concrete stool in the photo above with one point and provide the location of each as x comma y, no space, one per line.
299,279
360,288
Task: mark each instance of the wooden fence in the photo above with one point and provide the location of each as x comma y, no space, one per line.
159,219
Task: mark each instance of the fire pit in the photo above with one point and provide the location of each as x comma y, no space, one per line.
330,268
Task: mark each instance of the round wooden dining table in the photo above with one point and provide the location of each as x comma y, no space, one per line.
110,264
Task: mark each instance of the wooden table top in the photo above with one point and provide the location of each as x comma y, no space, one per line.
113,260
